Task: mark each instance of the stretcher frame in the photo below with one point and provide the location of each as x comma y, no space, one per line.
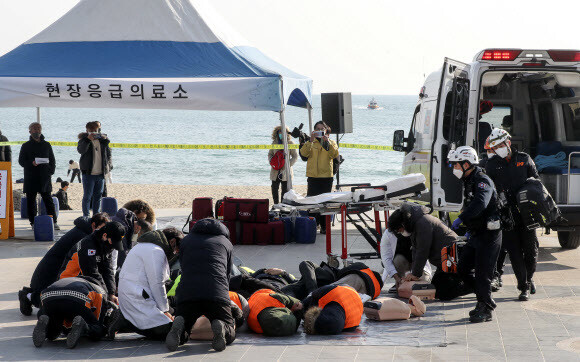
349,209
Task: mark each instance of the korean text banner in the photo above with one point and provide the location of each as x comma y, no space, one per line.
238,94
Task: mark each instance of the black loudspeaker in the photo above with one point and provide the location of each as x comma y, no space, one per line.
337,112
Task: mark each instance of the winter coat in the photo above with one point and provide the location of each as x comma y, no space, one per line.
205,255
389,243
89,257
428,236
37,178
5,151
142,296
46,271
281,174
319,162
127,219
85,148
62,198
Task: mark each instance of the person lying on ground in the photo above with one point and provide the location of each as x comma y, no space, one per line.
274,314
47,270
143,305
92,256
205,255
77,306
332,309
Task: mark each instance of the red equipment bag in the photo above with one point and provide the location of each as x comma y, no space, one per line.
277,232
232,227
247,233
277,161
449,258
201,207
246,210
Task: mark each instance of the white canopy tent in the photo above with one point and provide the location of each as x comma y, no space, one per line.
162,54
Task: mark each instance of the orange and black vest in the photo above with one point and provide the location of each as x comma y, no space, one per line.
259,301
349,300
234,297
377,286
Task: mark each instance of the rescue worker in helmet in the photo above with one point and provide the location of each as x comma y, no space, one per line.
480,216
509,170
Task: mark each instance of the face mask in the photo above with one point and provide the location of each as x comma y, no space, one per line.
280,136
35,135
134,238
490,154
458,173
405,233
502,152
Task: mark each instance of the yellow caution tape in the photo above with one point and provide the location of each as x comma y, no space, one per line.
204,147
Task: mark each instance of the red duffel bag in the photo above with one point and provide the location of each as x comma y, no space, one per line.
277,232
231,225
246,210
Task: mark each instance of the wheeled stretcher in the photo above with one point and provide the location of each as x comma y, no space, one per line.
353,205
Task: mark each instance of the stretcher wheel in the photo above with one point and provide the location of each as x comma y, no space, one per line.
332,260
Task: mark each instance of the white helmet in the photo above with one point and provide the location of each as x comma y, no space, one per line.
463,154
498,136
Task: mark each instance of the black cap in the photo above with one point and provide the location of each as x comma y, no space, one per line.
115,231
331,320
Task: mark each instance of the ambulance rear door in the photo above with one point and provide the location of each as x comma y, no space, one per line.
449,132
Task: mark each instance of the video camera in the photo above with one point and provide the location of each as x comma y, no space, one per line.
297,133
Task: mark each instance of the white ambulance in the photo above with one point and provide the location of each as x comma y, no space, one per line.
535,96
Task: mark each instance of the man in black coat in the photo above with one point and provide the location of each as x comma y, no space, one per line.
205,256
37,159
46,271
95,164
5,151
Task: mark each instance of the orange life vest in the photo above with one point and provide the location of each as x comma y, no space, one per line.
349,300
376,283
259,301
234,297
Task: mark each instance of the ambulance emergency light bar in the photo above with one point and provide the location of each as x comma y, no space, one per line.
507,55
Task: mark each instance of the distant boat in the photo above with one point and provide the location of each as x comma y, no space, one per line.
373,104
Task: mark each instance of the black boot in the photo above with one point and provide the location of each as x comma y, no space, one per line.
495,284
219,335
25,303
173,339
79,328
308,274
500,281
115,324
481,315
39,333
478,306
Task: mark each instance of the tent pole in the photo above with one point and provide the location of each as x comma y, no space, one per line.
309,118
38,114
286,149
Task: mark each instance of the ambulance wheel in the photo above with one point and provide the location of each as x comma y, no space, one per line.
569,239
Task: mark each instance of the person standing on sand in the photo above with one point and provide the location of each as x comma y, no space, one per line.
37,159
95,163
279,176
76,170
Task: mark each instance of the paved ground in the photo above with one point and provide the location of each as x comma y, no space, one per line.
545,328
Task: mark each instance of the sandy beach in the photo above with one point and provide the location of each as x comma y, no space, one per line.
166,196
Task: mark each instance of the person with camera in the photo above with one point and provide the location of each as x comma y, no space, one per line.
95,163
320,151
277,170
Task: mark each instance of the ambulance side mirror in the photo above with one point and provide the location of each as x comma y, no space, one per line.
399,141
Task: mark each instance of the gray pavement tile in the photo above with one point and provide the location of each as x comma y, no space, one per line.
306,352
384,353
265,353
338,353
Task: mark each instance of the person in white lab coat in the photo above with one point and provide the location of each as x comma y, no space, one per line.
143,305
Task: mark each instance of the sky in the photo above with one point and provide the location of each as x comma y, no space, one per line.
359,46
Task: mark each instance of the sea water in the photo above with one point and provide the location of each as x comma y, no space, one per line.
214,167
